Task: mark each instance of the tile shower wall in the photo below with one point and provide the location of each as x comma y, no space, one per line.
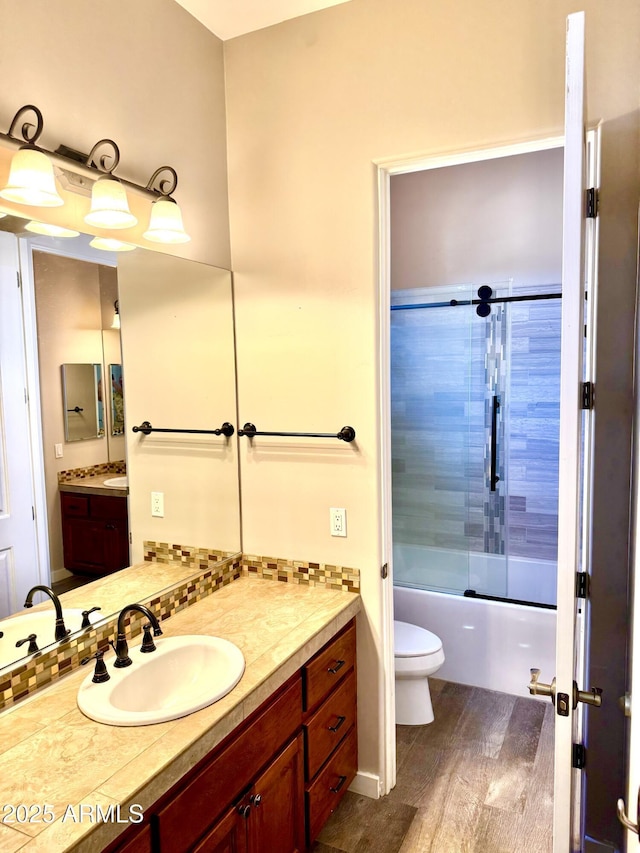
446,363
437,422
534,427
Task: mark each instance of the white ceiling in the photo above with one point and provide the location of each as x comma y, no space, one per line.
229,18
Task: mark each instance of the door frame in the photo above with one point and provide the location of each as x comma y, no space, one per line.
387,168
78,249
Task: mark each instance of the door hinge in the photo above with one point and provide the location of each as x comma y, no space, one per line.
18,278
385,571
578,756
582,585
588,395
33,513
593,200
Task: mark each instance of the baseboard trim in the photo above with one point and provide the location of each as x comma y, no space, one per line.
60,575
367,784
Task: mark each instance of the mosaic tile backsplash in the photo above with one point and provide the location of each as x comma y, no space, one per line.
308,574
212,570
119,467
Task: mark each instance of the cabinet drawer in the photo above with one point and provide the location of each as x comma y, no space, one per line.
76,506
194,807
108,508
323,672
329,724
325,793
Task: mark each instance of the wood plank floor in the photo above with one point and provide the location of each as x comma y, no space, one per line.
479,779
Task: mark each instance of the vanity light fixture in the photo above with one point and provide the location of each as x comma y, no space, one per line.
50,230
165,224
116,316
108,244
31,179
109,205
32,182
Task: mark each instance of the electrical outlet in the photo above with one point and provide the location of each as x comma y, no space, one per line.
338,517
157,504
58,450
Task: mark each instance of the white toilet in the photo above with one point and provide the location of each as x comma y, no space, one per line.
418,654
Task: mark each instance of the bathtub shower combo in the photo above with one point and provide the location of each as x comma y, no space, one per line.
475,413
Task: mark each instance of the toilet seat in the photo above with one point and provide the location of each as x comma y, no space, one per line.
411,641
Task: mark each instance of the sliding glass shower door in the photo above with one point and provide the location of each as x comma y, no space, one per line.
474,407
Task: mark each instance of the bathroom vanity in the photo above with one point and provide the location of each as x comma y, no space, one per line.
272,784
270,760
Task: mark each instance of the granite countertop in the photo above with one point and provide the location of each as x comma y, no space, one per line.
50,753
94,486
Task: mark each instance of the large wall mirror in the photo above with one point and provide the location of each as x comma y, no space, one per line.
171,362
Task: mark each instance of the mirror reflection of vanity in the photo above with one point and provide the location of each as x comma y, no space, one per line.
178,349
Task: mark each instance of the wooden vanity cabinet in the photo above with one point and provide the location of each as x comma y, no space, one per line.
331,747
95,533
272,783
270,816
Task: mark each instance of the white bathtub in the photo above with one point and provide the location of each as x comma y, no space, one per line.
486,644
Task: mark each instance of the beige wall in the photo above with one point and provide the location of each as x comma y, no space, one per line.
311,104
479,223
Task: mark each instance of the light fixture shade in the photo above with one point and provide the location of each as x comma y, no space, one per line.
116,316
109,205
31,180
108,244
165,223
50,230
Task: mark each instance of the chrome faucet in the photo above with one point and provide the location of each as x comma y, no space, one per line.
121,647
61,632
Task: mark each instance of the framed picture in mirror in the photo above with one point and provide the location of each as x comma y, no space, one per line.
117,399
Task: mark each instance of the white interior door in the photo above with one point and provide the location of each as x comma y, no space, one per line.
19,569
566,827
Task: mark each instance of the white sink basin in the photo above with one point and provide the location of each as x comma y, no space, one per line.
183,675
42,623
117,482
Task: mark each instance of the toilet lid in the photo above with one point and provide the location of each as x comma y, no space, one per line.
412,641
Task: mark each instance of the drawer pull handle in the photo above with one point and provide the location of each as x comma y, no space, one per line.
341,782
341,720
255,800
244,809
338,665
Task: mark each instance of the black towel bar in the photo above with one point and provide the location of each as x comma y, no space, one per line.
226,429
347,433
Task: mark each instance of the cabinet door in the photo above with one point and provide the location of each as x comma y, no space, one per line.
276,821
229,835
84,545
116,545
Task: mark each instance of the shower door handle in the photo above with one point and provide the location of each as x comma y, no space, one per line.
494,479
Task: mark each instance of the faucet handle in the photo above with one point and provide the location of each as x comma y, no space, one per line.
33,646
147,640
86,623
100,674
